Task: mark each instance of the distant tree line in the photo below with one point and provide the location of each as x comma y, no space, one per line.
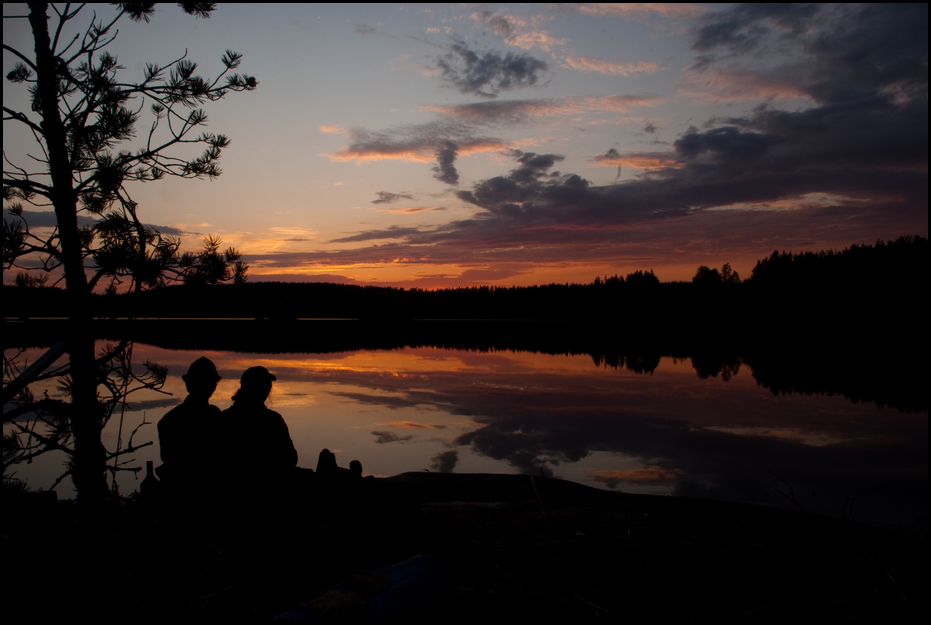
865,289
884,263
706,275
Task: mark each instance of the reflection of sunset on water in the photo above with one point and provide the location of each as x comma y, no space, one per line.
665,431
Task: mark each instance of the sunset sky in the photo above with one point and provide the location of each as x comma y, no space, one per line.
458,145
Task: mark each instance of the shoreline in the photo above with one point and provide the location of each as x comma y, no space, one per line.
542,548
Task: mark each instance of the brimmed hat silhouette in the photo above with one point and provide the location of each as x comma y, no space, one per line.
201,369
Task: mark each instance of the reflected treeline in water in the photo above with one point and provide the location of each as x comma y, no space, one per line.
860,372
897,380
707,364
710,365
640,363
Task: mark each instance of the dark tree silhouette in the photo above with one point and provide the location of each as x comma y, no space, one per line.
707,275
210,267
642,279
728,275
41,425
80,113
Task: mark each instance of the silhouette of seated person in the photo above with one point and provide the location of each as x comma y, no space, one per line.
261,457
342,494
328,471
187,434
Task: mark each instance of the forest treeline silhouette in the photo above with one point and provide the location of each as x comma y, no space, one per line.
844,323
853,290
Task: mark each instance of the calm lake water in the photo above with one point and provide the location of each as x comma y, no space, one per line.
667,431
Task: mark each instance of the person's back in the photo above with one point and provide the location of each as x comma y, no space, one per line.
188,434
261,456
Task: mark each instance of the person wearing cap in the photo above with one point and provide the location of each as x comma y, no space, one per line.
262,455
187,433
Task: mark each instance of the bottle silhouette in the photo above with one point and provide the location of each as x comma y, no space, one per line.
150,485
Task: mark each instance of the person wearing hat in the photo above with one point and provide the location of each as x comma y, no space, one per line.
187,433
262,456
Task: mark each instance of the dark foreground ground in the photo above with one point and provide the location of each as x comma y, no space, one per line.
573,552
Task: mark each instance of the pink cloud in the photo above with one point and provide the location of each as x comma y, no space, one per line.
539,38
640,160
611,477
737,86
409,210
611,68
513,30
410,425
641,9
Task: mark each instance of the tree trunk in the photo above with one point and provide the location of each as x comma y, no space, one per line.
89,461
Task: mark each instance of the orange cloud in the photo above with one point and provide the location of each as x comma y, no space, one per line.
611,477
641,9
512,29
540,38
408,210
611,68
332,130
642,160
736,86
410,425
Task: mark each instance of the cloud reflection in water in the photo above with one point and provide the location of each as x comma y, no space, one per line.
668,431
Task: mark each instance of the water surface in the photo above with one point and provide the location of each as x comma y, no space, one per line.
663,430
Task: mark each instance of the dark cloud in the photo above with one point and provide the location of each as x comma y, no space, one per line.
708,438
702,437
47,219
384,197
837,54
649,129
375,400
610,155
442,141
382,438
152,404
410,210
23,418
510,112
410,141
363,29
498,25
172,231
529,196
460,130
487,74
864,146
414,425
445,462
394,232
726,235
744,27
877,51
445,170
848,166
